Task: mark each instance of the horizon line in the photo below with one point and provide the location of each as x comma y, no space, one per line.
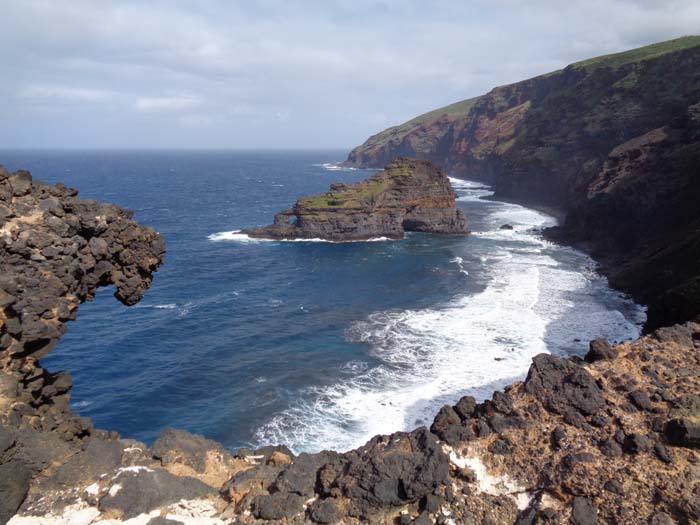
173,149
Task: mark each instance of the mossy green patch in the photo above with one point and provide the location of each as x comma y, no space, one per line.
627,82
640,54
354,197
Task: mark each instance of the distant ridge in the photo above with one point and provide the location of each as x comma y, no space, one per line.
459,110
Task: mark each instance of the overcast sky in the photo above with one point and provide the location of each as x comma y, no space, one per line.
284,74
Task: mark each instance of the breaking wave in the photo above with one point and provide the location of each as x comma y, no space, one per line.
237,236
471,345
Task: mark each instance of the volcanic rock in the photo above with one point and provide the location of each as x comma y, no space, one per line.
546,450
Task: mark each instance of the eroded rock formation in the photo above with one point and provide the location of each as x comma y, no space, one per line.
56,251
408,195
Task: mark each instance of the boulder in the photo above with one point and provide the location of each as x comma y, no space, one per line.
583,512
683,433
14,485
194,455
561,385
600,349
278,506
141,490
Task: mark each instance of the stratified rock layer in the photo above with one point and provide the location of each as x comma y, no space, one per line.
613,142
408,195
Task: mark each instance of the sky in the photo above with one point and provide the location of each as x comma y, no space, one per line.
240,74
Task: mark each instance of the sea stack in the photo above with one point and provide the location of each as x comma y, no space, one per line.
407,196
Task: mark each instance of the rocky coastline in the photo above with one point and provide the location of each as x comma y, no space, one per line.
612,143
407,195
614,438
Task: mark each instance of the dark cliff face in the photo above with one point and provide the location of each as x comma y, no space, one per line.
641,214
558,139
408,195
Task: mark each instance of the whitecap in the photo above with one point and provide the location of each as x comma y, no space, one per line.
237,236
186,308
460,263
168,306
335,166
233,235
355,366
470,191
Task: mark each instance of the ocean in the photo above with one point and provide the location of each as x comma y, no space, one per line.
314,345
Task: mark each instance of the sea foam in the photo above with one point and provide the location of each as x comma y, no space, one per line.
471,345
238,236
333,166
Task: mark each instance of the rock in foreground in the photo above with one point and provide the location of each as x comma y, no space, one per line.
408,195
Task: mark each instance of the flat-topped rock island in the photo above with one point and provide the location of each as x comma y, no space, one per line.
407,196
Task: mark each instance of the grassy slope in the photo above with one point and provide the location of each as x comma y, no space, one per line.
640,54
397,133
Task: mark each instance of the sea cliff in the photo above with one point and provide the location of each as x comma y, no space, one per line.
407,195
612,143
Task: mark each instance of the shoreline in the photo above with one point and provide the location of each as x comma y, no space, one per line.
604,264
552,211
500,456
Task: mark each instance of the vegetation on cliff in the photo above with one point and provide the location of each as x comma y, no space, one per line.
438,131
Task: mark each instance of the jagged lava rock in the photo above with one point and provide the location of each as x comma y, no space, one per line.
55,251
408,195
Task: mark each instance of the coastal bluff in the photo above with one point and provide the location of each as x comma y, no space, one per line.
408,195
612,143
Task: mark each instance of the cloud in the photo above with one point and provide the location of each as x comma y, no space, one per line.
287,73
166,104
65,93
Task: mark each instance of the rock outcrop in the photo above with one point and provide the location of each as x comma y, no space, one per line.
611,141
408,195
56,251
614,438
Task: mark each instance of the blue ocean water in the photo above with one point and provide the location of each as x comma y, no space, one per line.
311,344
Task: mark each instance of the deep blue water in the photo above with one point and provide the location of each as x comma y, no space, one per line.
313,344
